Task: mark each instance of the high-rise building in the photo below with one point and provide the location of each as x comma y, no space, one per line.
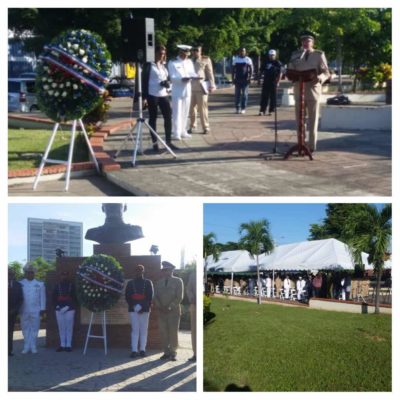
45,236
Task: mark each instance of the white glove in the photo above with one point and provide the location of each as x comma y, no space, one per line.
137,308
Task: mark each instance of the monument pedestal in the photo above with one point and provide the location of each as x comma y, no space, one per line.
118,322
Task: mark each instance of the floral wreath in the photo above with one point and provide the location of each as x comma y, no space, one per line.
99,282
71,74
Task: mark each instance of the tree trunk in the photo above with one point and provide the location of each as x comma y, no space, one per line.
378,290
258,282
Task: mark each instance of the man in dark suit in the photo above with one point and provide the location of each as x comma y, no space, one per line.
15,299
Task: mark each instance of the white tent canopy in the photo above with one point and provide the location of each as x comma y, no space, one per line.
311,255
326,254
232,261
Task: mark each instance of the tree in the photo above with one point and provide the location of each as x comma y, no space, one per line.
333,225
42,268
256,239
371,232
228,246
210,248
17,267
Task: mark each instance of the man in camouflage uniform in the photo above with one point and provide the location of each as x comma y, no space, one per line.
200,89
304,59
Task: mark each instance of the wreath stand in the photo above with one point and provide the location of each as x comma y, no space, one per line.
104,330
68,163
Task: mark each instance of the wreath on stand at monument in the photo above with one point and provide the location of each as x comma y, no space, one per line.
71,75
99,282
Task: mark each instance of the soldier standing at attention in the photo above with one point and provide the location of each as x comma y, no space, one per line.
304,59
33,306
200,89
15,299
139,295
168,295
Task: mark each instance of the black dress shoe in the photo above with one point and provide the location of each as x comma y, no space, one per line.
60,349
173,147
192,359
133,354
165,356
172,357
68,349
190,131
142,354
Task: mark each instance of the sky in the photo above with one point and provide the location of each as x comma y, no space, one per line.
171,231
289,223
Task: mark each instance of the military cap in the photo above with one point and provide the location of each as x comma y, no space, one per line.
307,35
184,47
167,265
272,52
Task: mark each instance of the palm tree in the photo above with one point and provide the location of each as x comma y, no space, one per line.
372,233
256,239
210,248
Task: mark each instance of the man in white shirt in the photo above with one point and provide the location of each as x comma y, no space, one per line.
286,287
300,288
268,284
181,72
33,306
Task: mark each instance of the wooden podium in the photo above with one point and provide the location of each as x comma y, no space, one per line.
301,77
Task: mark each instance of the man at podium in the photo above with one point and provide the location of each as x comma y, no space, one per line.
306,59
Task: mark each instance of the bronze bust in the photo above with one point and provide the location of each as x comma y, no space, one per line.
114,230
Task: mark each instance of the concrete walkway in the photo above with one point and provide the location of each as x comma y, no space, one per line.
51,371
227,161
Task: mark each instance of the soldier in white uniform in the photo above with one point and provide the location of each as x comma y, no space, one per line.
33,306
181,72
286,287
308,58
268,284
300,288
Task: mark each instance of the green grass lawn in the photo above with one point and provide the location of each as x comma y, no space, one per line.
276,348
26,147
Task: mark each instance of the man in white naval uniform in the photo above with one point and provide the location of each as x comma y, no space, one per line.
33,306
300,284
268,284
181,72
286,287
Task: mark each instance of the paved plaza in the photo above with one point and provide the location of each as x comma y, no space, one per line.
95,372
227,161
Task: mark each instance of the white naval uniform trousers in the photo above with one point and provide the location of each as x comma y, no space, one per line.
34,301
286,287
181,94
140,326
65,322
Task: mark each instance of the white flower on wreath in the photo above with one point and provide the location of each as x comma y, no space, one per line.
44,79
46,87
81,52
75,86
68,84
64,94
54,85
75,46
50,92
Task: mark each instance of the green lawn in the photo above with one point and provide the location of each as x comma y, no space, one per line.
277,348
26,146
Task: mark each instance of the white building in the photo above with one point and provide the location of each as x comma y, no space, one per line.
47,235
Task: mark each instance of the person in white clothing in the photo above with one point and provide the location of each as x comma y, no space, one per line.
64,300
286,287
139,294
268,285
181,72
33,306
300,288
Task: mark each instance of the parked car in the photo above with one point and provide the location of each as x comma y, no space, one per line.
21,95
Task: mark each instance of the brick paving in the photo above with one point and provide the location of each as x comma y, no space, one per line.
95,372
